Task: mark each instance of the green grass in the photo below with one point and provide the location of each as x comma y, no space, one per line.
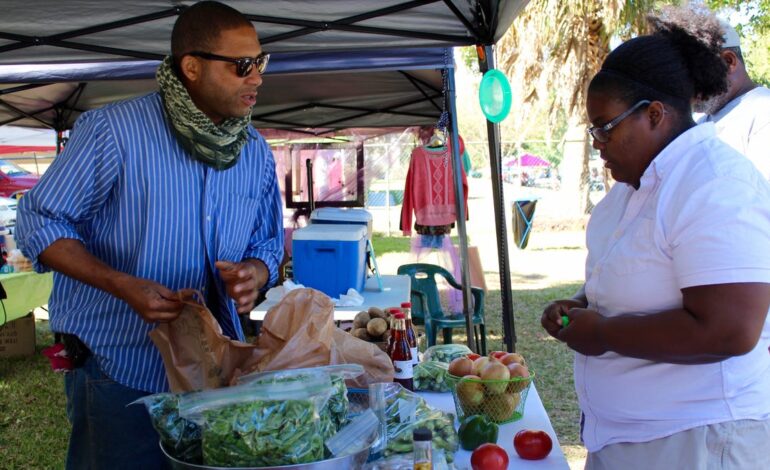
384,244
34,428
33,425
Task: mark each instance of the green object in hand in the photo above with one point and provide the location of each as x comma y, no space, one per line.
564,321
476,430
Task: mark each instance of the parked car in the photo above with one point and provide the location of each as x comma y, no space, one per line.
7,211
15,180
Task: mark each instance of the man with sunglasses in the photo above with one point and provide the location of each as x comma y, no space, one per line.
169,191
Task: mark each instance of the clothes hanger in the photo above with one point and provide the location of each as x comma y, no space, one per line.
436,141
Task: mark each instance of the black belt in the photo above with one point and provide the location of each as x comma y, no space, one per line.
77,351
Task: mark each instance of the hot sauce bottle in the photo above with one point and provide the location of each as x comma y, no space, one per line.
411,338
400,353
391,311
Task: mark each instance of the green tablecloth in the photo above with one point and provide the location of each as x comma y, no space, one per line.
26,291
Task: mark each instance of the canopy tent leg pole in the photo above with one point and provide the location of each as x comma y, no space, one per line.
486,62
457,168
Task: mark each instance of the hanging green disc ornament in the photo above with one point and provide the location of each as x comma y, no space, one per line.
495,95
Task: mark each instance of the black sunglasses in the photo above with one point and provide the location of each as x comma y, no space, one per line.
243,65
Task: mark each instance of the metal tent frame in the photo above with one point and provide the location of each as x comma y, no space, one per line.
87,32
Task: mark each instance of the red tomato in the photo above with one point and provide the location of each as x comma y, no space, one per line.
472,356
532,445
489,457
497,354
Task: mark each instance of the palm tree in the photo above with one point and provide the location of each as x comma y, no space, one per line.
550,53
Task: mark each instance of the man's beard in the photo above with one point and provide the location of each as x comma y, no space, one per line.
711,105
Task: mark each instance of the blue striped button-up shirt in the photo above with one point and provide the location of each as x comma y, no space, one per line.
140,203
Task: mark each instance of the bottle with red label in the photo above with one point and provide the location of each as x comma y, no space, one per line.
400,353
391,311
411,338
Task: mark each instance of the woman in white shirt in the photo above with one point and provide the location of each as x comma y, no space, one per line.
670,369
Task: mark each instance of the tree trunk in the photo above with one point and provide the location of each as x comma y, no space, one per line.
574,171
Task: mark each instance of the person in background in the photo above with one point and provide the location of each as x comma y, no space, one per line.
742,113
168,191
670,369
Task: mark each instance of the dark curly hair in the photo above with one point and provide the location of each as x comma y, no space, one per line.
198,27
672,65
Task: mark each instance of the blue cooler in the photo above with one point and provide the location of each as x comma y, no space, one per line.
336,215
330,257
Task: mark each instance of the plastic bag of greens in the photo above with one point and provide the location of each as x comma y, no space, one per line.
355,436
337,407
400,412
180,437
272,421
432,376
445,352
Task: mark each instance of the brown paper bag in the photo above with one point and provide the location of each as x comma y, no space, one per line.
297,332
347,349
195,353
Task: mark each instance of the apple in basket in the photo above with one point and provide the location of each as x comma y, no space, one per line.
517,370
460,367
495,371
500,408
470,393
479,364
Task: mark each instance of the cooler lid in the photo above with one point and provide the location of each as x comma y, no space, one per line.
332,232
339,214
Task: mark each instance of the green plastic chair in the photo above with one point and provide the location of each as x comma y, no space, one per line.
427,309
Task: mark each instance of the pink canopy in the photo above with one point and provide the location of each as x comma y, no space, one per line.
528,160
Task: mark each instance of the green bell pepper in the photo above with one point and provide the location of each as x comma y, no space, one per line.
476,430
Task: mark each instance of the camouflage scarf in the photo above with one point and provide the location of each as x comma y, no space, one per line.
217,146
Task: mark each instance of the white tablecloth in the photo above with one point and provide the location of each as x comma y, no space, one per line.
396,289
534,417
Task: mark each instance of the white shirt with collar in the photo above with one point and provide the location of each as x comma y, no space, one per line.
744,123
700,216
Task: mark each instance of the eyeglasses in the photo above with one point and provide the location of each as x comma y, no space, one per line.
602,133
243,65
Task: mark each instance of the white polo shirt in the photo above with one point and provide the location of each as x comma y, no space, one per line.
700,216
744,123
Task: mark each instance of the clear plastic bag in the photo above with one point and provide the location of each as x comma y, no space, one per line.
337,407
180,437
432,376
359,433
272,420
400,412
445,352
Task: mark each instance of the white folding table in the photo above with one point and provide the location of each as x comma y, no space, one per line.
396,289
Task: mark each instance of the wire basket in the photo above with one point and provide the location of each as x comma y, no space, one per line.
502,401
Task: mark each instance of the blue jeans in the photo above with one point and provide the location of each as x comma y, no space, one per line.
105,433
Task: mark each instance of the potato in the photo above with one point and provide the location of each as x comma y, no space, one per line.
376,327
375,312
361,319
361,333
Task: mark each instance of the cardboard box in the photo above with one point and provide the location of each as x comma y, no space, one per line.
17,338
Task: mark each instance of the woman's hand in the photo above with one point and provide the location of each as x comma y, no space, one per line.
551,318
584,332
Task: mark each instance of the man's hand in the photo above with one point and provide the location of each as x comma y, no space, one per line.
243,281
551,318
152,301
584,332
